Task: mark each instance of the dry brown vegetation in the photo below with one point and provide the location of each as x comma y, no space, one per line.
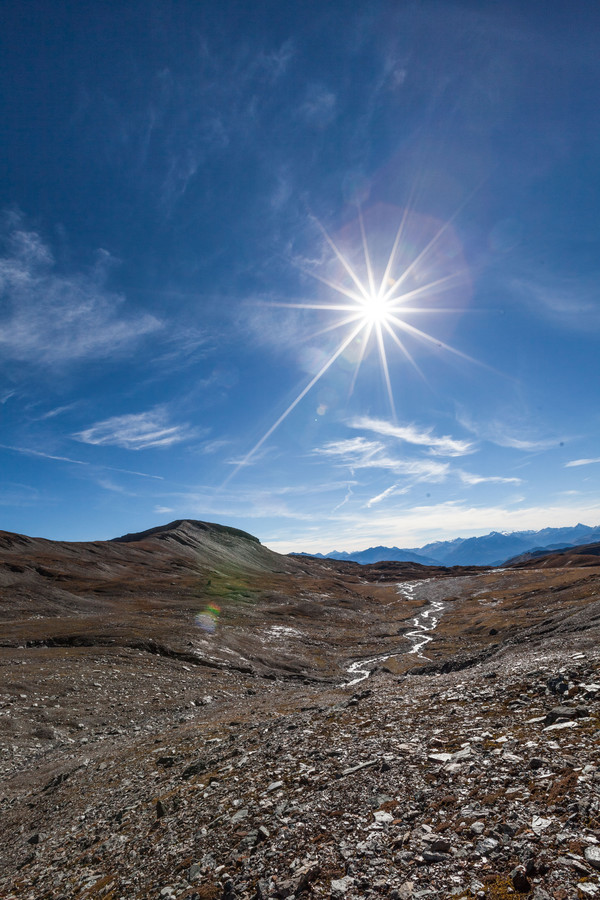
109,693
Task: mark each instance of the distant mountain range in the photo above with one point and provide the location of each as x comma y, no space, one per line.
490,550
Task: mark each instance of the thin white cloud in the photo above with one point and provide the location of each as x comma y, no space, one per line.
410,434
348,495
78,462
55,318
137,431
28,452
389,492
582,462
58,411
259,456
571,301
358,453
184,344
468,478
523,444
239,504
276,62
214,446
319,106
516,435
471,479
108,484
351,449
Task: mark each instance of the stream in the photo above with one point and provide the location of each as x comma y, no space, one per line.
425,621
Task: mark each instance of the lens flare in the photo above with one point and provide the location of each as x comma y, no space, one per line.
208,618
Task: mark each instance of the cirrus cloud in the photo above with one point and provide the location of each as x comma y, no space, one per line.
582,462
410,434
54,318
137,431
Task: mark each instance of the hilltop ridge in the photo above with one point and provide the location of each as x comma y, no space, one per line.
180,524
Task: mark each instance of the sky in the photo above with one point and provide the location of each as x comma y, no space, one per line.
324,272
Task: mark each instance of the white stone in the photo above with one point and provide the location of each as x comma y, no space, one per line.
440,757
539,824
558,726
384,818
592,856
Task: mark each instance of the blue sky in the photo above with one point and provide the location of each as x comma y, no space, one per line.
325,272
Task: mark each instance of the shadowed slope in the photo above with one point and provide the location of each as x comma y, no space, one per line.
584,555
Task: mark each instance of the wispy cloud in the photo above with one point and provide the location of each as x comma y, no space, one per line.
137,431
183,345
411,434
319,106
260,456
52,317
27,451
346,499
359,453
581,462
276,62
513,433
109,484
190,114
214,446
389,492
522,443
471,479
57,411
224,504
571,301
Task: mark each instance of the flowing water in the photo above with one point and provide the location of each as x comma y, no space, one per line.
425,621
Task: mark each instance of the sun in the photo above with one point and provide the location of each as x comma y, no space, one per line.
374,297
376,311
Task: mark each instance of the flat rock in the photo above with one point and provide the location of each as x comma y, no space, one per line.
592,856
341,886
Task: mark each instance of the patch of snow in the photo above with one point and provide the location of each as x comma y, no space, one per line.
282,630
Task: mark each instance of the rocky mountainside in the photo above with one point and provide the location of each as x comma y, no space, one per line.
585,555
185,714
492,549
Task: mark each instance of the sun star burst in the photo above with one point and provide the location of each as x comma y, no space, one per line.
374,308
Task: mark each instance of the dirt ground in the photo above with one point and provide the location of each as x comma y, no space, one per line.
177,719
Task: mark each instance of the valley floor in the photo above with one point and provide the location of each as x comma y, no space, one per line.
144,758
